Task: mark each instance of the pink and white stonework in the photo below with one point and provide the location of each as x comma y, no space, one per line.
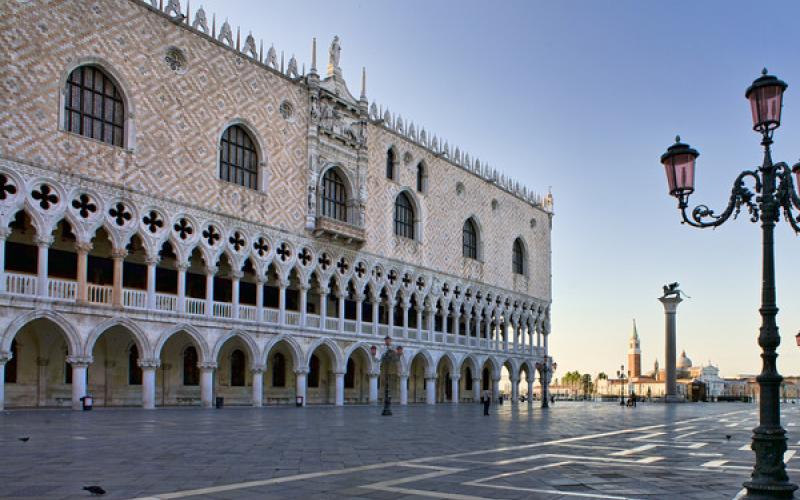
133,272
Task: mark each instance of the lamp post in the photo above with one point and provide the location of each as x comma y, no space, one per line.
621,377
545,370
390,355
773,190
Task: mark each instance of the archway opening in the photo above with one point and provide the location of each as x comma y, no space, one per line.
356,377
321,381
178,376
416,379
115,378
280,382
233,377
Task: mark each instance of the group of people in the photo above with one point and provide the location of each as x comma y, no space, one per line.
486,399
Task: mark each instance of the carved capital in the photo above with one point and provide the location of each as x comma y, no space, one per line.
83,247
149,363
301,371
257,370
119,253
5,357
207,365
211,270
152,260
237,275
79,361
43,241
183,266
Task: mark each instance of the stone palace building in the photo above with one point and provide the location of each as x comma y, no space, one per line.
185,216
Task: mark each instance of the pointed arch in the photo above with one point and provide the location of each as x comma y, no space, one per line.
408,216
519,256
336,193
333,347
430,366
252,348
189,330
451,361
298,359
471,239
142,342
392,163
62,323
363,347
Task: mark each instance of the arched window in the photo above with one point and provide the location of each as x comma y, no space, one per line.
237,368
313,371
93,106
11,365
518,257
448,387
391,159
191,372
334,196
238,159
404,217
486,379
278,370
134,370
470,240
421,177
350,375
468,381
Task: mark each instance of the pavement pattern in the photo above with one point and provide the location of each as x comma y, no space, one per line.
573,450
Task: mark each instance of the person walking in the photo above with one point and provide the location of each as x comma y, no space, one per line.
486,399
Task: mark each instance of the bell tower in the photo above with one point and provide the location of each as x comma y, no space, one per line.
634,354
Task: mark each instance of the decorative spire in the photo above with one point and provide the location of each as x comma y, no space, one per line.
313,69
635,332
364,83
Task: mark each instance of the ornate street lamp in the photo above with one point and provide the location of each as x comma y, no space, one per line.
389,356
545,369
621,377
773,190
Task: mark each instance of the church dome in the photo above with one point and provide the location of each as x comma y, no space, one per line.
684,363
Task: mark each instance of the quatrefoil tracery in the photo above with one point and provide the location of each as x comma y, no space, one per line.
153,221
84,205
184,228
46,196
6,187
120,214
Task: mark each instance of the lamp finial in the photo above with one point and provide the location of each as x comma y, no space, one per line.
677,138
764,71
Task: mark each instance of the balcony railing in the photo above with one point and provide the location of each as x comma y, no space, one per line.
60,289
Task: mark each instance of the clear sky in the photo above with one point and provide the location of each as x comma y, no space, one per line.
584,96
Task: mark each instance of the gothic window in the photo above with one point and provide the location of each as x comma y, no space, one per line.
470,239
11,365
191,372
334,196
468,381
313,371
134,370
421,177
350,375
238,159
237,368
404,217
518,257
278,370
93,106
391,163
486,379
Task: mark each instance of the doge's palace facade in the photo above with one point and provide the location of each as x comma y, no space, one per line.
185,215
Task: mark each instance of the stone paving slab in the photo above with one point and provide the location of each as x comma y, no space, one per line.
572,450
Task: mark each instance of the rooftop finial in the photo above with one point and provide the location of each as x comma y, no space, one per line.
764,71
677,138
313,69
363,82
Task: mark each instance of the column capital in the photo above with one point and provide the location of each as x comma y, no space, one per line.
359,297
83,247
261,279
44,240
455,377
339,373
4,232
149,363
257,370
183,266
211,270
430,377
207,365
373,374
476,380
236,274
119,253
152,260
79,361
301,371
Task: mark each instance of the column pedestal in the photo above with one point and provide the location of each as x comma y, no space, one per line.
149,382
403,390
79,367
670,310
300,387
430,390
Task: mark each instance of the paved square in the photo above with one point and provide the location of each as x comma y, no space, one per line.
573,450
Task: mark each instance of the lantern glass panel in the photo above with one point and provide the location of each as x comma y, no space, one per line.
765,105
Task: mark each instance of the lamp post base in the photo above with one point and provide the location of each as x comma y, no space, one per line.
769,479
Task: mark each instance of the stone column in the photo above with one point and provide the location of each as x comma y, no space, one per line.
260,280
403,389
478,326
467,324
670,310
41,271
236,277
323,306
340,307
300,387
514,389
530,390
406,304
455,385
4,232
495,389
79,366
456,323
149,367
303,304
83,249
375,314
390,303
476,389
258,386
151,281
515,327
504,334
359,313
283,284
339,388
488,333
431,321
41,381
4,357
181,304
207,383
210,272
373,388
419,321
118,256
430,390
